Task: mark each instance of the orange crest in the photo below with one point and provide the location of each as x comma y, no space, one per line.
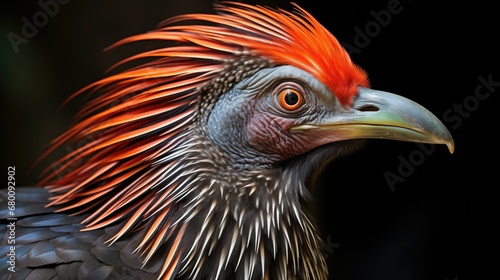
157,101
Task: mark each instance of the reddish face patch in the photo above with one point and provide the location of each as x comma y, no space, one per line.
270,135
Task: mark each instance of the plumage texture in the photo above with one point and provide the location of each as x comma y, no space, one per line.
150,191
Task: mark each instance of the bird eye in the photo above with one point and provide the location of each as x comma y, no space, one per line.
290,99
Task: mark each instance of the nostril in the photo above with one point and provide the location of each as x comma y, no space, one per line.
368,108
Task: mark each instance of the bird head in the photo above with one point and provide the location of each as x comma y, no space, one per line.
283,112
211,142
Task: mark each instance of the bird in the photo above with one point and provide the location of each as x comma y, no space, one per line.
197,160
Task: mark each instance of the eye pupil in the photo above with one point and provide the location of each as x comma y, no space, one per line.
291,98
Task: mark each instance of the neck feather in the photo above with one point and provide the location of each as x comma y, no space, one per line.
214,222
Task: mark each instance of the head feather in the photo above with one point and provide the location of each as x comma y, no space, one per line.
140,115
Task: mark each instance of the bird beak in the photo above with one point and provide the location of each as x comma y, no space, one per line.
383,115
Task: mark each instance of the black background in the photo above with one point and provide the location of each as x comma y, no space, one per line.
439,221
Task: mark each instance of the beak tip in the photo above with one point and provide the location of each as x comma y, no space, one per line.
451,146
447,139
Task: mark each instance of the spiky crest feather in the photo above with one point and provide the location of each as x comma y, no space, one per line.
131,172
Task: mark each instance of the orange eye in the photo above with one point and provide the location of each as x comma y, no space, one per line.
290,99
